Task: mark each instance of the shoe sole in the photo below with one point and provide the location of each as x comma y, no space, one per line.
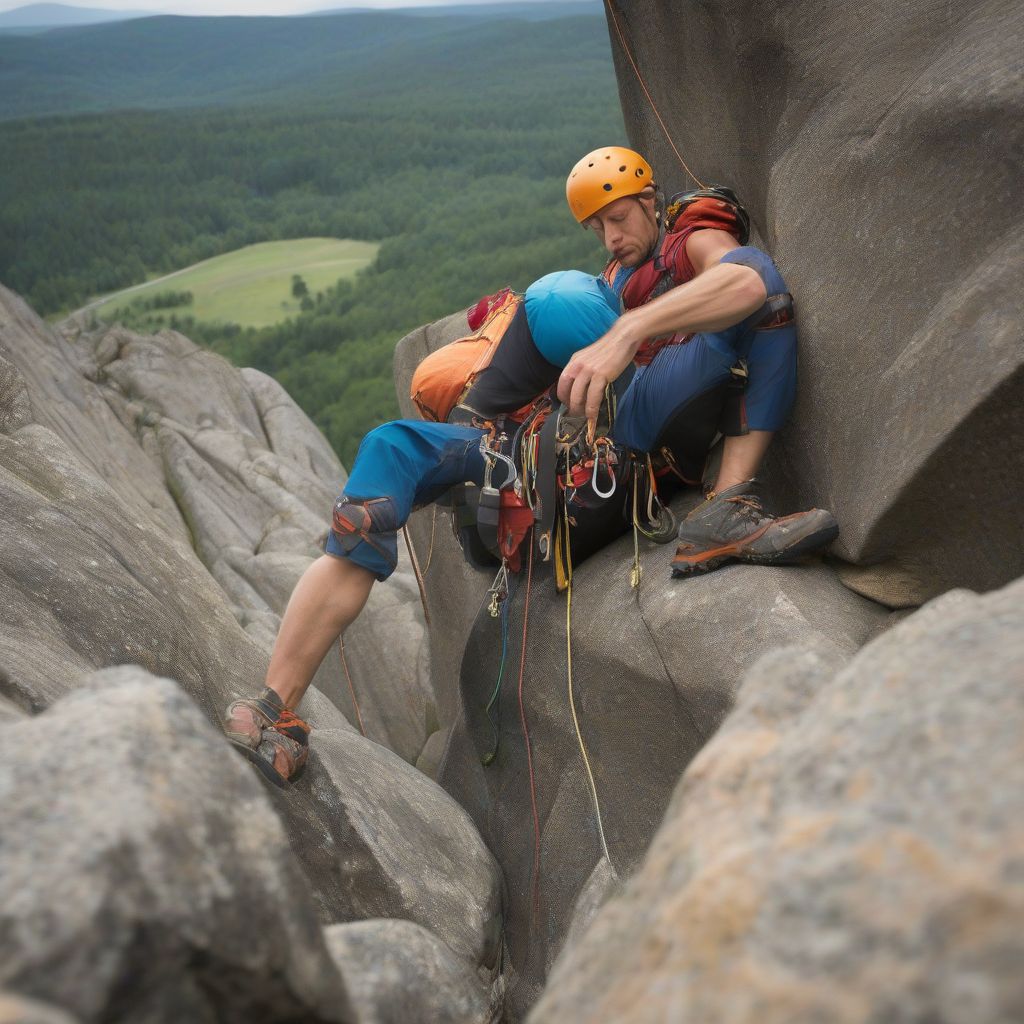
267,770
711,560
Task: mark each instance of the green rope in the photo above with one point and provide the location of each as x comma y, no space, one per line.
495,723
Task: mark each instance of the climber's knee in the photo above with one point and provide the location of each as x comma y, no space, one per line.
365,531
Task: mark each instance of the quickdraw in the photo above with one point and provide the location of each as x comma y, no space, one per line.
498,591
661,523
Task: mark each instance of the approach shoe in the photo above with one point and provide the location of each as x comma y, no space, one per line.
732,525
274,738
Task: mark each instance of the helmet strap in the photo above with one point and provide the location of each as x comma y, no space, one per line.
658,219
659,205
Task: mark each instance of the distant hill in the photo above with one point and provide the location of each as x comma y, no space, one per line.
531,10
40,17
444,139
163,62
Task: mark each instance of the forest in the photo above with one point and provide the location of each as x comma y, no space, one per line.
455,161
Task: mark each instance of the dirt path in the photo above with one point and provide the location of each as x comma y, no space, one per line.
135,287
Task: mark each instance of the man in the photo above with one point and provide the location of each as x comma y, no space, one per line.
709,320
677,400
400,466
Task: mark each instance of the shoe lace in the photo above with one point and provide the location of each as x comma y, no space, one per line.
748,506
287,718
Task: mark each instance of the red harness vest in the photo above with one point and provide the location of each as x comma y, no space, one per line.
670,266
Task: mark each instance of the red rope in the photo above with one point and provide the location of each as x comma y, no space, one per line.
535,873
650,99
351,687
419,575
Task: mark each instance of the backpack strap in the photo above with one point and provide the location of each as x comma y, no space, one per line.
777,311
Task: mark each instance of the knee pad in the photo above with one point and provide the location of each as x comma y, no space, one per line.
373,521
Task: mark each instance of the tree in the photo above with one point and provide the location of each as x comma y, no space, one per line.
300,290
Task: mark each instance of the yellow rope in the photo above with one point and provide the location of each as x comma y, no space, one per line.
572,701
634,576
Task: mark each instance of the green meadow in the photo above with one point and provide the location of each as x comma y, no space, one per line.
441,143
251,286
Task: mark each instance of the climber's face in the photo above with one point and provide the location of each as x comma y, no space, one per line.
627,228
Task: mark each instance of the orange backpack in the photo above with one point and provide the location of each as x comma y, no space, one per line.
442,380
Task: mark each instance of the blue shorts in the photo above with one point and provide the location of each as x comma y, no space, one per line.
679,374
412,463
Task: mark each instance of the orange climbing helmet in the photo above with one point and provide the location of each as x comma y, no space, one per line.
603,176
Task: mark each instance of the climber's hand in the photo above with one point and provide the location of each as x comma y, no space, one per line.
583,381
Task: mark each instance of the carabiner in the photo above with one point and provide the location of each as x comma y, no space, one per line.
499,590
513,474
593,477
491,457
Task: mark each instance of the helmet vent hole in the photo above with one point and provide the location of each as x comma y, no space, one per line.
607,187
639,172
590,164
622,168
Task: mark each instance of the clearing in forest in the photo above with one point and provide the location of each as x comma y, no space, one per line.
252,286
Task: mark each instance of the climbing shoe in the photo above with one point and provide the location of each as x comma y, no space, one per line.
275,739
732,525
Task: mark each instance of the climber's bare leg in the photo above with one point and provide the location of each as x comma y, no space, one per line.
326,600
741,458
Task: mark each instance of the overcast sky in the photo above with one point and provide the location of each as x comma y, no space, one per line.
238,6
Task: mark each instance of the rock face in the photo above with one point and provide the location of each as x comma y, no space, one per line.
115,476
211,462
877,150
654,674
380,839
144,875
906,426
846,848
16,1010
96,565
403,974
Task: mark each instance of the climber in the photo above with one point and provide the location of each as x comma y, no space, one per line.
400,466
709,324
703,312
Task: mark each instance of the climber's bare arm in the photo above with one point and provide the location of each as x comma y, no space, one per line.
722,294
